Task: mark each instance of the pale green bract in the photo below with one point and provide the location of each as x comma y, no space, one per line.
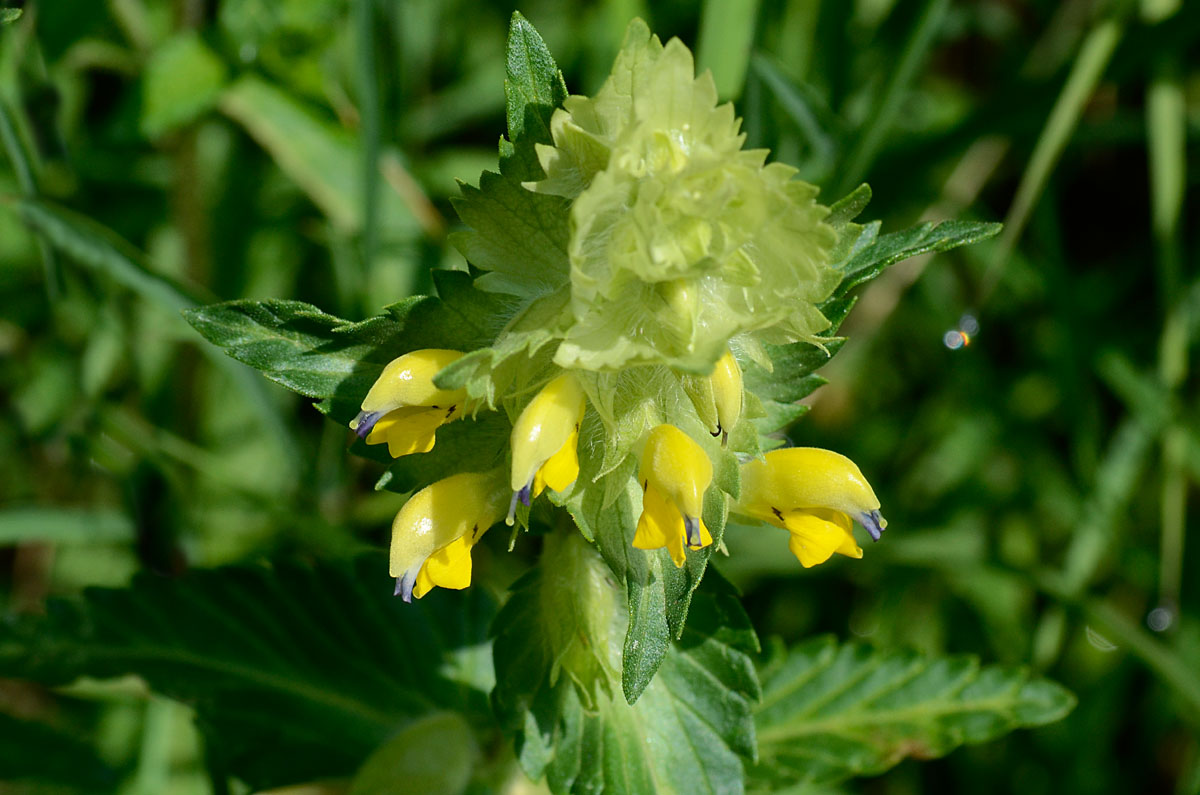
679,239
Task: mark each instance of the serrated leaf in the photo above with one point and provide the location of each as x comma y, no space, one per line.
518,235
793,375
296,673
833,711
322,356
299,346
183,79
533,88
687,731
886,250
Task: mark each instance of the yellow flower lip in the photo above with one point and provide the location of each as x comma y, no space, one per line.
675,473
544,441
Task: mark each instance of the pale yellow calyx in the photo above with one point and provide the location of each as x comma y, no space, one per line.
433,533
674,473
544,440
806,478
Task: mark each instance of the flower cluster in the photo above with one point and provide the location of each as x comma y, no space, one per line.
688,258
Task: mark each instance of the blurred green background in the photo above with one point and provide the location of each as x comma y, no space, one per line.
1036,479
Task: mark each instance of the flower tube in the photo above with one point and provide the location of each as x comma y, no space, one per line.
404,408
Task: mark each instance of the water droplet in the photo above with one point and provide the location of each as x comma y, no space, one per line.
1160,618
968,323
954,339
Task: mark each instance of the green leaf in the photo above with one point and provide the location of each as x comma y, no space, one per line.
533,88
434,754
556,691
468,445
47,758
299,346
322,356
9,15
658,595
296,673
833,711
64,526
793,374
182,82
518,235
96,247
93,246
323,159
869,261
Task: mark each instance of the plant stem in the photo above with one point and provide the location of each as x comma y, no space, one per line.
858,162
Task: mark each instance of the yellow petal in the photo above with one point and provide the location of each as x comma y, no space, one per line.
660,525
563,467
449,567
408,430
816,535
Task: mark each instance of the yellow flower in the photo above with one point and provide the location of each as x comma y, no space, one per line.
675,472
718,396
545,439
433,533
404,408
815,495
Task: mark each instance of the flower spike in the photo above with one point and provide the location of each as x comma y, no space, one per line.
434,532
815,495
544,441
404,408
675,472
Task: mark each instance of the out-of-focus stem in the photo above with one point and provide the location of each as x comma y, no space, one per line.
1166,131
1093,58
